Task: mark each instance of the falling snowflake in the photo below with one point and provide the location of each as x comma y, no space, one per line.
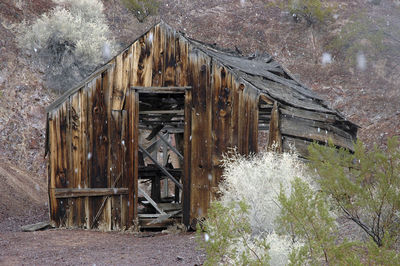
326,58
361,61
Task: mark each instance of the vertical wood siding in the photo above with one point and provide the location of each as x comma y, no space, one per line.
93,135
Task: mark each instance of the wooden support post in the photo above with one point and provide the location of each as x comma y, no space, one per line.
133,156
275,137
156,188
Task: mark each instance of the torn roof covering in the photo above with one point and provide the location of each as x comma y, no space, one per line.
268,76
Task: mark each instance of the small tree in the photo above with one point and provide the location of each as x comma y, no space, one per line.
312,11
364,186
305,215
142,8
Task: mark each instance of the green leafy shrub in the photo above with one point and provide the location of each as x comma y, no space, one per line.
312,11
69,42
364,186
228,238
305,215
142,8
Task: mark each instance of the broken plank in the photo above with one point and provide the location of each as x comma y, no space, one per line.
267,100
35,227
164,217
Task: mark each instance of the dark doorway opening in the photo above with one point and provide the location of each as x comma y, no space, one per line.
161,156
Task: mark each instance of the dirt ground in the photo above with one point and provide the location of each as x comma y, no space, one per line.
79,247
23,200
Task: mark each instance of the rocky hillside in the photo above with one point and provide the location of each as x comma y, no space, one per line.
367,95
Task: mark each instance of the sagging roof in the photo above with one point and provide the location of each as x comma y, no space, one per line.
262,72
267,75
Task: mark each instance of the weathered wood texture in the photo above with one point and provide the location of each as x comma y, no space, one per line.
187,139
275,136
201,141
87,142
93,129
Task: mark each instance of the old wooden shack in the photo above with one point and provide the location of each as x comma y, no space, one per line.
111,140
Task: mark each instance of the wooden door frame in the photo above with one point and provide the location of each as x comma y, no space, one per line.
133,106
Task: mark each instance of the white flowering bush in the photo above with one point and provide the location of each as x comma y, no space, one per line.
255,182
258,180
69,42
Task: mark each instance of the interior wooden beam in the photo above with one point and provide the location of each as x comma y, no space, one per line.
159,112
150,200
160,89
153,145
172,129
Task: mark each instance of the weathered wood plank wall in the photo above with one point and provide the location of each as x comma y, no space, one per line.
93,133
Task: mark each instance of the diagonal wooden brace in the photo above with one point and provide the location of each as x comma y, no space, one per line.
144,194
171,147
162,168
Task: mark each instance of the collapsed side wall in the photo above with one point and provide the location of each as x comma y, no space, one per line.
301,127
